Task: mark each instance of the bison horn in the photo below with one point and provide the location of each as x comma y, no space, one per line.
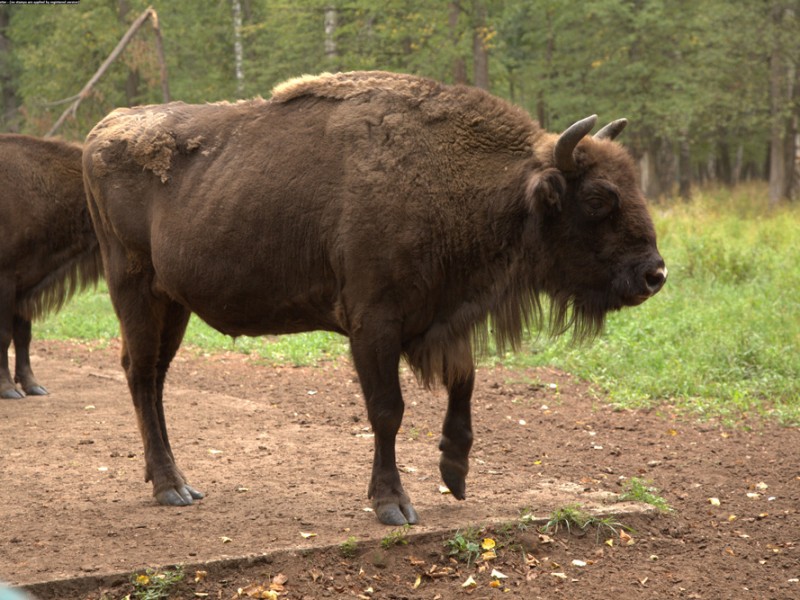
612,130
566,143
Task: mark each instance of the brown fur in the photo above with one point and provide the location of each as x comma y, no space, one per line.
48,249
419,219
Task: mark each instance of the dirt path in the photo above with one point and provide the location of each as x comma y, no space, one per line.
281,452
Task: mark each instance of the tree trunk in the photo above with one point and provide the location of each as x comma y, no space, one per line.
133,79
238,48
685,170
9,102
331,23
480,53
459,64
781,90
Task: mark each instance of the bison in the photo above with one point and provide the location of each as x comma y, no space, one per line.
414,217
48,249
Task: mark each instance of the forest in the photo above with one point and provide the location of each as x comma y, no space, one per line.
711,89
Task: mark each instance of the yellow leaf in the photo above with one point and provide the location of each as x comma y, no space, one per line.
490,555
226,539
488,544
443,489
714,501
142,580
470,582
307,535
609,542
496,583
200,576
418,582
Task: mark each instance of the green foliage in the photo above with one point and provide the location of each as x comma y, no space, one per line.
349,547
465,545
155,584
639,490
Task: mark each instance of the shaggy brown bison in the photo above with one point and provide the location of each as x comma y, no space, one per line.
398,211
48,249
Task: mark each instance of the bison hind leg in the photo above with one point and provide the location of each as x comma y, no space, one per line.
23,374
456,441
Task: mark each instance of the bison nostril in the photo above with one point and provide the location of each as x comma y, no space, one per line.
655,279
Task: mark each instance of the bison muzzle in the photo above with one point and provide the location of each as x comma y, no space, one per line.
416,218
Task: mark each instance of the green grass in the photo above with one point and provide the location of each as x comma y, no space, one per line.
639,490
721,339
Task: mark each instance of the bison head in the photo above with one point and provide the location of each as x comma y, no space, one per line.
595,245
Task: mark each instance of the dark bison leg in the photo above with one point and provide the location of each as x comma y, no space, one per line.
376,354
456,440
150,339
23,373
7,388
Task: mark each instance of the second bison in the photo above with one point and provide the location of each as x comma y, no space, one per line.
416,218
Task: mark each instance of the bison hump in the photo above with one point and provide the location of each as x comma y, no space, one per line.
344,86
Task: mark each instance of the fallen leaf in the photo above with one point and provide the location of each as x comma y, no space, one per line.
213,451
280,579
225,539
609,542
418,582
200,576
559,575
498,575
496,583
488,544
714,501
753,495
142,580
443,489
307,535
626,539
761,485
470,582
315,574
578,563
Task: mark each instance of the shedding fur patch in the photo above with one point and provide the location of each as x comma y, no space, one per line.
148,142
343,86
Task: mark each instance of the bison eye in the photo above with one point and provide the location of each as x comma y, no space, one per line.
599,204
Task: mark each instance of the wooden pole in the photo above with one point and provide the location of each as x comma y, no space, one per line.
149,13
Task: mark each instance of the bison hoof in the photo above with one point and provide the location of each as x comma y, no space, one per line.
454,475
179,496
397,514
12,394
36,390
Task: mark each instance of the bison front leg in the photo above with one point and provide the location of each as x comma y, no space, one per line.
456,440
23,374
376,354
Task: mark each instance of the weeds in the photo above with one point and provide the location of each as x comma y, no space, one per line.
349,547
639,490
396,537
465,545
574,517
155,584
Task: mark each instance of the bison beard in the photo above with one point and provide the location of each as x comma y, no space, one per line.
413,217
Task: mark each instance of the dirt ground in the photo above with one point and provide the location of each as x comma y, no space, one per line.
285,452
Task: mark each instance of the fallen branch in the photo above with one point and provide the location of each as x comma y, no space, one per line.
149,13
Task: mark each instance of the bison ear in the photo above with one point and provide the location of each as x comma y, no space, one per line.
545,190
